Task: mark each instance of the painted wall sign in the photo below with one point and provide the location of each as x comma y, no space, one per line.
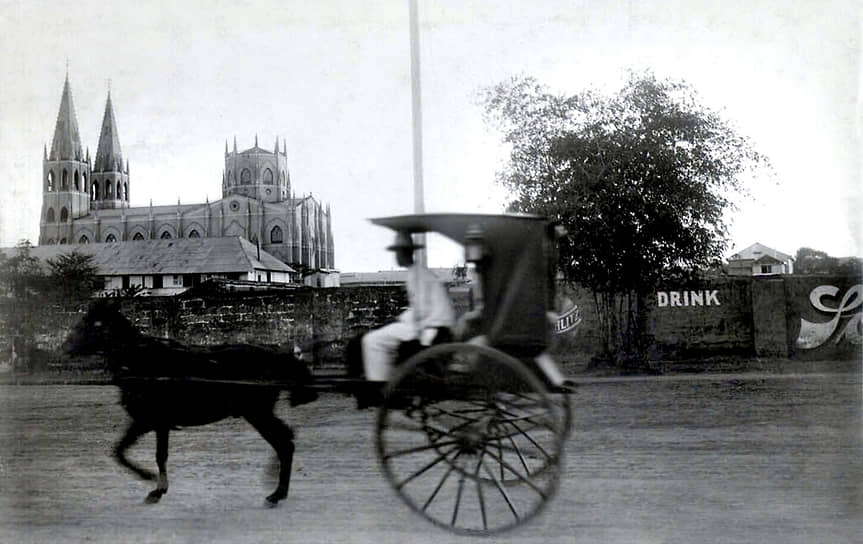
814,334
569,320
687,298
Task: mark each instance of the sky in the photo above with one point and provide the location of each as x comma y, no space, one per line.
332,80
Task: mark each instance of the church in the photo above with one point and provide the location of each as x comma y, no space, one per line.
87,200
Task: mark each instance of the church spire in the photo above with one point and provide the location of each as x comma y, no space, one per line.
67,142
108,155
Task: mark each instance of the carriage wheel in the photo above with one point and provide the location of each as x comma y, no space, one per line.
469,438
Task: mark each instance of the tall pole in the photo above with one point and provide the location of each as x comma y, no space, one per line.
416,111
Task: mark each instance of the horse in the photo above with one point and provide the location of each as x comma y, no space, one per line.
165,385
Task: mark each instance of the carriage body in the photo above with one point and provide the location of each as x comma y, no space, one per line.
471,432
515,260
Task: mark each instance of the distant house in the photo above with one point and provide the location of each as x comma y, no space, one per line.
760,260
171,266
393,277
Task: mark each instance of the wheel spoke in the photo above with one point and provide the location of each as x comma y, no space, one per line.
530,439
441,482
428,466
502,491
518,475
479,491
457,499
520,457
419,449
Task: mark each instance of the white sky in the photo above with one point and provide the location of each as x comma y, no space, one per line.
332,79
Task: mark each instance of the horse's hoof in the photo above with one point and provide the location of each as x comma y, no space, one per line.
272,501
154,496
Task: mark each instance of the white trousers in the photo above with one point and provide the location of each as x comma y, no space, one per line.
380,348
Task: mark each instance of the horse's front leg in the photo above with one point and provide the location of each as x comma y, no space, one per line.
281,438
162,463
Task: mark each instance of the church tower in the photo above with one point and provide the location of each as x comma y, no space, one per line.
257,173
110,187
65,177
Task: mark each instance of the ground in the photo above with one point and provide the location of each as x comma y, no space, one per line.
709,458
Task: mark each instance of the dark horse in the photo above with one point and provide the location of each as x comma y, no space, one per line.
165,385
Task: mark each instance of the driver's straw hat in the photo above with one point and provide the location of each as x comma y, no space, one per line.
404,241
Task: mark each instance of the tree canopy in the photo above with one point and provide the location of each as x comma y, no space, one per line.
642,179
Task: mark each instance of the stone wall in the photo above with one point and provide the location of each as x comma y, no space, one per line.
799,317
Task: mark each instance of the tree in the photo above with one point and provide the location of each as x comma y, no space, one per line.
642,180
813,261
22,281
72,278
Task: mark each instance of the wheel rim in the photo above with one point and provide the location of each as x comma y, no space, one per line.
469,439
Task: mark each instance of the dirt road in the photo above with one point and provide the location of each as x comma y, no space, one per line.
746,458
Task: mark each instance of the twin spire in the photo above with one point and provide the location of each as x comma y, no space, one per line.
109,157
67,141
66,144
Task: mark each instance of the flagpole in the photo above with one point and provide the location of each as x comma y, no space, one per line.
416,114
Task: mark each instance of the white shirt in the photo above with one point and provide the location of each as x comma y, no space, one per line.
429,302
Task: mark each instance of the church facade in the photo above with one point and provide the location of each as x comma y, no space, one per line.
87,200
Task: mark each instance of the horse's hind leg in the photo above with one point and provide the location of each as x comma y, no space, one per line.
161,462
281,438
133,433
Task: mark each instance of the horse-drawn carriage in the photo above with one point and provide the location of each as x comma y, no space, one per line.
470,433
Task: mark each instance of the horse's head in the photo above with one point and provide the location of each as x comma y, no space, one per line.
102,329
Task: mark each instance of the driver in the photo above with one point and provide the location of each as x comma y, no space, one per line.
429,310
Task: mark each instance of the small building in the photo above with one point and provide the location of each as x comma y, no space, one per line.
171,266
390,277
760,260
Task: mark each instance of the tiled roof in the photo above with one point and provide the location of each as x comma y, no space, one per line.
176,256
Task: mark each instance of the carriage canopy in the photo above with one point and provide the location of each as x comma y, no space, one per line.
516,271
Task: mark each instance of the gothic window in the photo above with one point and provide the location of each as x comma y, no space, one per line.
50,181
50,215
64,215
138,236
283,177
276,235
62,241
268,176
110,238
120,192
107,189
228,178
76,181
165,235
194,234
84,240
65,181
126,192
84,186
245,176
94,191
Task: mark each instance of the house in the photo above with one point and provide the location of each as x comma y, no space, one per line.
171,266
392,277
760,260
